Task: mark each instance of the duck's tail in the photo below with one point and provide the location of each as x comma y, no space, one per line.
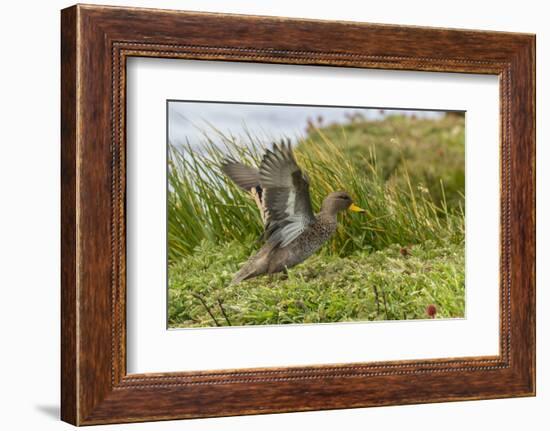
244,273
254,266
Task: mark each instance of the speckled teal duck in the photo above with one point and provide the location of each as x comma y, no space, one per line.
292,231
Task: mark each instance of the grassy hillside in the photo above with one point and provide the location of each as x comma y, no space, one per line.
431,151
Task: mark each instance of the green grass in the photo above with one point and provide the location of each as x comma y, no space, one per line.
408,173
383,285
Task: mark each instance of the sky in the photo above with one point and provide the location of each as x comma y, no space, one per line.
187,121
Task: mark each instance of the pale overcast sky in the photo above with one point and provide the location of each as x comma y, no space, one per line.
270,122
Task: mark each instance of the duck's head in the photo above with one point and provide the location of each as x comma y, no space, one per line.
339,201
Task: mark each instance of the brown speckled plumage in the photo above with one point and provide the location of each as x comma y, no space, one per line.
281,190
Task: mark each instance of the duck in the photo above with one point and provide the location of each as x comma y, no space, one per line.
292,232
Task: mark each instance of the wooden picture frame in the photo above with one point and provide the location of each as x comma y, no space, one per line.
95,43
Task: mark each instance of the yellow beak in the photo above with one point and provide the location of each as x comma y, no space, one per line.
356,209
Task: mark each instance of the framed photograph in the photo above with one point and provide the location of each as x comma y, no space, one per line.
264,214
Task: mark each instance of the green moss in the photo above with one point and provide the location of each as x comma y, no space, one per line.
393,284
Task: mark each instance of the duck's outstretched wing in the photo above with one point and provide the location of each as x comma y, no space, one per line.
246,177
285,195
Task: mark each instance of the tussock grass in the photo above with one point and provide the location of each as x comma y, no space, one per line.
203,204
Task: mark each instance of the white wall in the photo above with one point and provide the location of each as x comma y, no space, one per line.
29,214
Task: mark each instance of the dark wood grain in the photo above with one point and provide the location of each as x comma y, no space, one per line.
69,398
96,41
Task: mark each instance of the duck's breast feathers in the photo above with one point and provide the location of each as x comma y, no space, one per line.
286,195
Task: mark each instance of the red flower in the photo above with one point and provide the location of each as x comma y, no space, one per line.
431,311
